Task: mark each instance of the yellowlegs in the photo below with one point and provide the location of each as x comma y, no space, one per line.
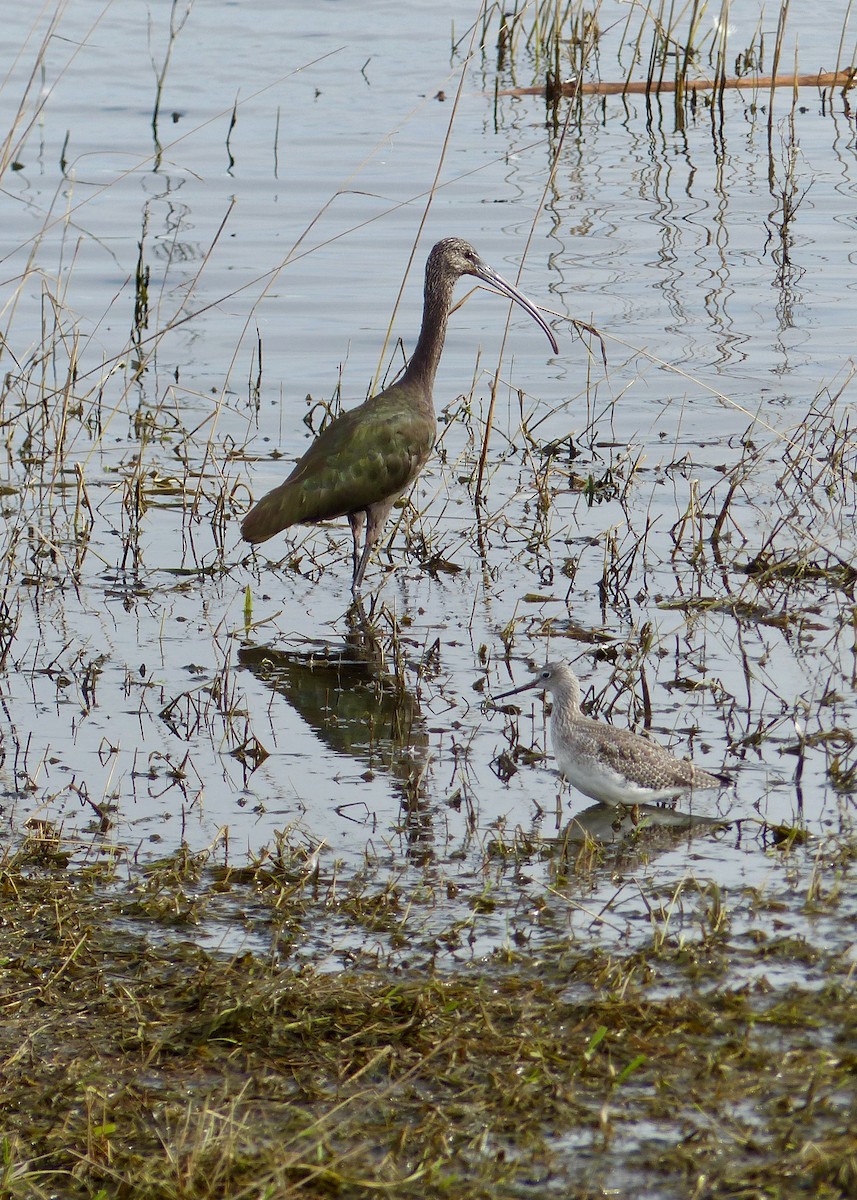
614,766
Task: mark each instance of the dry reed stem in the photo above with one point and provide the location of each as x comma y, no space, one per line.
821,79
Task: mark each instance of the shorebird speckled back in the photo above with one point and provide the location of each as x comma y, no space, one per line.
615,766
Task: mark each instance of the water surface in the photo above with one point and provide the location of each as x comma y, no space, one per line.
273,218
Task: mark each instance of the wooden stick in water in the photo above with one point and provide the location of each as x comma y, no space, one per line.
821,79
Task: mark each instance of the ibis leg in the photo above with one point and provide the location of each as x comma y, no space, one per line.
360,570
357,520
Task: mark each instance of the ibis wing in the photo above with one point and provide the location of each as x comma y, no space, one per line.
366,456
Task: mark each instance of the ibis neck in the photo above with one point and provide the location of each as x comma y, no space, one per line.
423,363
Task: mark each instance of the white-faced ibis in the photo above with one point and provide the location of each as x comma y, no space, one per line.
615,766
364,460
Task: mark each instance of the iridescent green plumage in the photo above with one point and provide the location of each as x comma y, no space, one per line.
368,452
367,457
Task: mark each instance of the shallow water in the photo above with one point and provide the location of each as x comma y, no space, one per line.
131,679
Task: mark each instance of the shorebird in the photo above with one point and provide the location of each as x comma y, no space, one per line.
615,766
369,456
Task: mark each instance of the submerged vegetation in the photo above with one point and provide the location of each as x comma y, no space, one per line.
288,906
158,1068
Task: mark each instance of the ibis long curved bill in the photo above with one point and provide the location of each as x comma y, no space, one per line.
489,275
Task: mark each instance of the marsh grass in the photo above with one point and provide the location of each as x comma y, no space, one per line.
158,1068
662,48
